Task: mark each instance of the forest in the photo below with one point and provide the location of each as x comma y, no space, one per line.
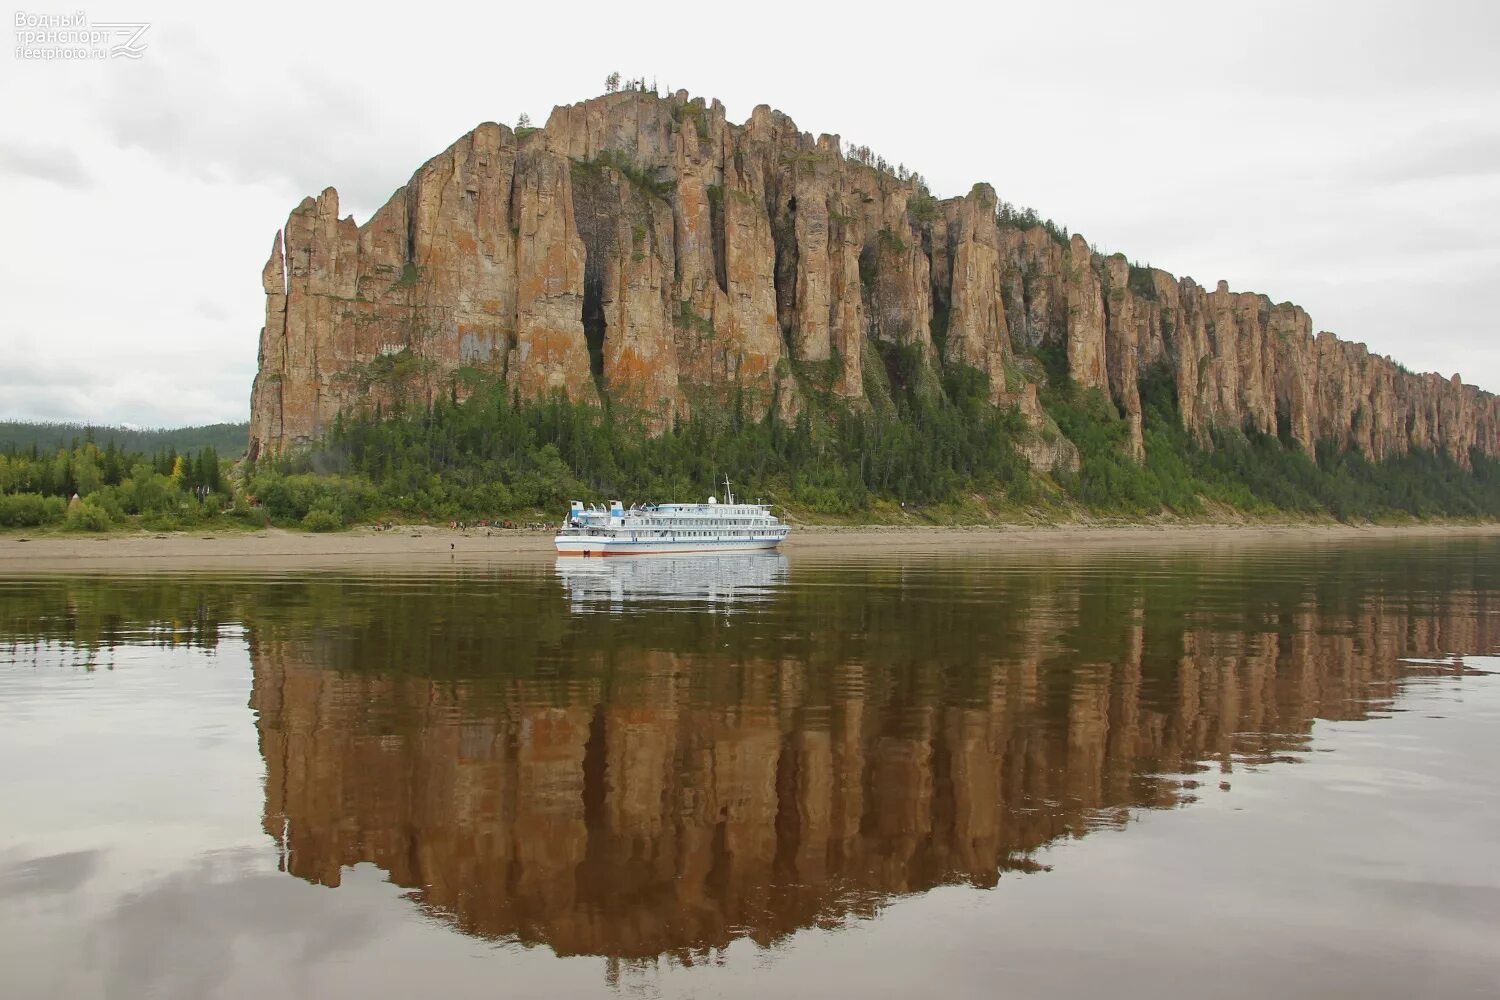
83,487
931,449
226,439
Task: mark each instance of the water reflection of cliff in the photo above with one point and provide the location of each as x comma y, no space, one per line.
665,783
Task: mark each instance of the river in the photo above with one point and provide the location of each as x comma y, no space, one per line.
1230,770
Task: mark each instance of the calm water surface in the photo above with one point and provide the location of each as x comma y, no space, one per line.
1233,771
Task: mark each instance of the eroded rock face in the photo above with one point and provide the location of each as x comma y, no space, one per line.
1129,323
644,250
977,331
628,269
549,352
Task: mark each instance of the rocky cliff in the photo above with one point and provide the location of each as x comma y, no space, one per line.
644,250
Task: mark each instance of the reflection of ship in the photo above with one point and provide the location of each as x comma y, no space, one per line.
712,578
672,528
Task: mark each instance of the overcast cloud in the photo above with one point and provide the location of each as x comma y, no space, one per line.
1342,156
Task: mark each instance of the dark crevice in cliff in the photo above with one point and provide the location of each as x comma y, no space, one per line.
783,215
1015,311
597,202
938,328
940,283
1029,336
1284,423
923,236
718,235
593,315
1113,386
410,257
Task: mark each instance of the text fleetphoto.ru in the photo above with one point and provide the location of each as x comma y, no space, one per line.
74,38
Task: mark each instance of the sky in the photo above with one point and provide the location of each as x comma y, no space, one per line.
1342,156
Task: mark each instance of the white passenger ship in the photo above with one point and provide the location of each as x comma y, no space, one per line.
669,527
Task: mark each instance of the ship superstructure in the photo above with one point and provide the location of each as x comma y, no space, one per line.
729,526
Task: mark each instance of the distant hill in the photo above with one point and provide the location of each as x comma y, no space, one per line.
227,439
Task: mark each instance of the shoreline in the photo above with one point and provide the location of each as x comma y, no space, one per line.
276,548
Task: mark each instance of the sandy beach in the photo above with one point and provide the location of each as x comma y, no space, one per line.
275,549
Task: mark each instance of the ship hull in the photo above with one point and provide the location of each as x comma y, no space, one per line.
604,546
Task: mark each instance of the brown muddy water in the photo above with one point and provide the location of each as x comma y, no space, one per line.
1231,771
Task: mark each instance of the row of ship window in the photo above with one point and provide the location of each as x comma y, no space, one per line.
711,524
676,534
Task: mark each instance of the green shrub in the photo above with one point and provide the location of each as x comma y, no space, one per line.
28,510
85,515
107,498
149,492
322,519
410,275
243,513
922,207
289,499
643,178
